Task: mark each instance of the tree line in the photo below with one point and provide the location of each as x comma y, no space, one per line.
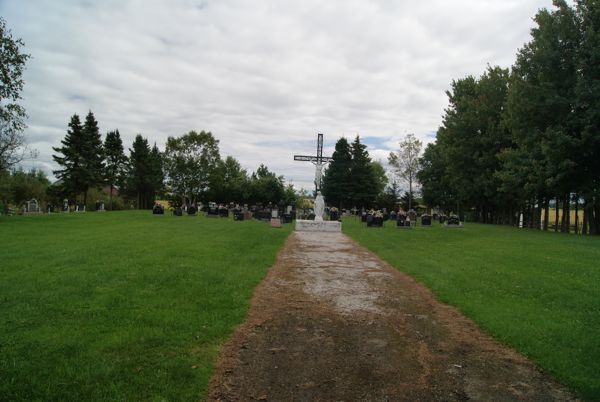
189,171
521,140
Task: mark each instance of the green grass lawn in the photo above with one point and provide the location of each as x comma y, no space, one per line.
122,306
538,292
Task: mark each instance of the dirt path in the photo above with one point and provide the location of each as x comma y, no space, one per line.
332,322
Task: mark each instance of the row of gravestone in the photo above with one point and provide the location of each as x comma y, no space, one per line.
33,207
405,221
239,214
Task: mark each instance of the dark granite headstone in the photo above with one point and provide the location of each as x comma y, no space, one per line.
425,220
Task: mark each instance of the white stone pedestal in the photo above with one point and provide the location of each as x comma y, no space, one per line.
318,226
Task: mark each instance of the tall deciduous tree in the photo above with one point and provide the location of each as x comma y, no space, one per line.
588,108
13,148
406,162
115,161
229,182
189,162
266,186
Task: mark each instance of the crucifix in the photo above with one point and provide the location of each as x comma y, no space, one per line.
319,161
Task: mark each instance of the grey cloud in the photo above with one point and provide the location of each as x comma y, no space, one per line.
263,76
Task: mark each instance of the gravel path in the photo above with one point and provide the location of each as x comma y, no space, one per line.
332,322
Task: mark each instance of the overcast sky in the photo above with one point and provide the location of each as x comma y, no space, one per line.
263,76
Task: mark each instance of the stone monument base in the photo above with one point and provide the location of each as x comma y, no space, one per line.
318,226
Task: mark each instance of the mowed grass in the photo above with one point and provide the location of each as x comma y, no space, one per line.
123,306
537,292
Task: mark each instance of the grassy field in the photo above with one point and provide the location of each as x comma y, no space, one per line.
122,306
538,292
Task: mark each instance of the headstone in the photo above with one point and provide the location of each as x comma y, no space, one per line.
287,218
80,207
32,207
334,214
375,220
426,220
238,215
223,211
213,211
65,207
275,222
192,210
99,206
453,222
178,211
274,213
158,209
412,214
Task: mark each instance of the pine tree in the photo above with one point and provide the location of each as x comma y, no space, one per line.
337,178
139,180
157,176
92,152
115,161
363,187
72,175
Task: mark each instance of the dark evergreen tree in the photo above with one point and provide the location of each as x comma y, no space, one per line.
337,178
139,180
157,175
115,161
363,186
93,155
71,158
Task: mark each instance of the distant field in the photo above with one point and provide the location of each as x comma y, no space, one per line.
538,292
122,306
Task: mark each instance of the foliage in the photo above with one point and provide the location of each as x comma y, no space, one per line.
70,158
115,162
523,287
337,177
81,157
137,304
406,161
229,182
189,162
92,155
512,143
12,115
266,186
144,175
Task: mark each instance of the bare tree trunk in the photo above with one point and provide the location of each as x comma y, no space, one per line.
546,212
567,212
584,227
110,196
409,193
556,214
576,213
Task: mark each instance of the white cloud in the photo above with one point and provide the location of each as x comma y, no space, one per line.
265,77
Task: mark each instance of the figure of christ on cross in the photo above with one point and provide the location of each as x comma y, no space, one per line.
319,161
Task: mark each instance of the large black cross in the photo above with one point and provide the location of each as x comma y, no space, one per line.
318,161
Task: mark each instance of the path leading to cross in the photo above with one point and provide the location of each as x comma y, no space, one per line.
333,322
